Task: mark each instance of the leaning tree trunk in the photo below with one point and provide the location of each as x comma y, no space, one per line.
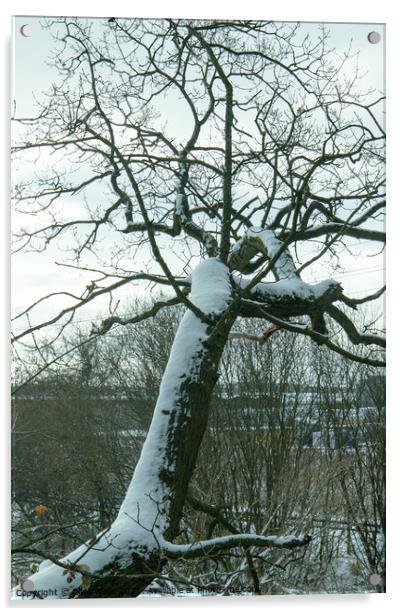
122,560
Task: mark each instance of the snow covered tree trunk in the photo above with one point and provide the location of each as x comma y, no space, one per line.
122,560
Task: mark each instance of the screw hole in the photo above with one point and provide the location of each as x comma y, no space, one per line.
26,30
375,579
374,37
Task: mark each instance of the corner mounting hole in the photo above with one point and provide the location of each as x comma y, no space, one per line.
27,585
374,37
26,30
375,579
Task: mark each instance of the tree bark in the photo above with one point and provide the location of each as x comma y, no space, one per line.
187,424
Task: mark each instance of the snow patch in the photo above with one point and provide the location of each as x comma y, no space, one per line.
211,288
211,292
293,287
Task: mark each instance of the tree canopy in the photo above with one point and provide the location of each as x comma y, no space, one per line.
177,138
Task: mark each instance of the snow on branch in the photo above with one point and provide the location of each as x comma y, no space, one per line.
147,493
289,295
257,240
210,547
290,292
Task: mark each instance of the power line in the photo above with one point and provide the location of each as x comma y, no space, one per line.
358,272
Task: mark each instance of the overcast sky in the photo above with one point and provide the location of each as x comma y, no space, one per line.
35,275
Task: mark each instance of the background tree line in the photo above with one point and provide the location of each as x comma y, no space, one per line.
296,440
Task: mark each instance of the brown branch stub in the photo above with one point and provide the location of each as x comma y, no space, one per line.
262,339
268,333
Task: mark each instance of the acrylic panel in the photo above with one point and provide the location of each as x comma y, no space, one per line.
198,402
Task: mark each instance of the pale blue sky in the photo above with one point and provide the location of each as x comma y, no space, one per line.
32,73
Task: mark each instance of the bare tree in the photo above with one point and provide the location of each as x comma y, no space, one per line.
274,151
